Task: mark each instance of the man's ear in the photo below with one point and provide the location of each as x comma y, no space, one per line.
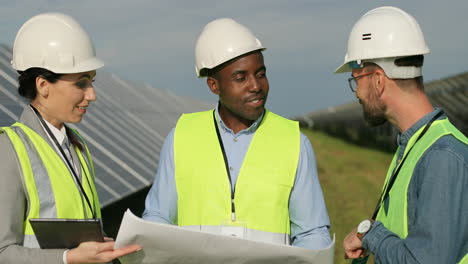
213,85
42,86
379,81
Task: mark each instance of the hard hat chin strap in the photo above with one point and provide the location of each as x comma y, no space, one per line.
396,72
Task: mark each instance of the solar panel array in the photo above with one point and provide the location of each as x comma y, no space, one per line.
346,120
124,128
452,95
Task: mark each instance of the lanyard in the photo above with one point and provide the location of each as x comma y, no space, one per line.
390,183
232,189
70,165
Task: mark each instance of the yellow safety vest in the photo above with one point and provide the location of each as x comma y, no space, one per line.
50,188
264,182
396,218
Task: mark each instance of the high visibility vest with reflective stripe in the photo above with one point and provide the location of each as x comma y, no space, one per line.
264,182
396,218
50,188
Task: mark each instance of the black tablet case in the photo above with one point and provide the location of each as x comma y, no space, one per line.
66,233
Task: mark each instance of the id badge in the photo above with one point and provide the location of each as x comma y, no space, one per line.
233,231
235,228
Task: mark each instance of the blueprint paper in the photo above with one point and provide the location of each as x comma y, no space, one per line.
164,243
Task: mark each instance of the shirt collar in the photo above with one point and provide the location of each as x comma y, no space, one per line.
59,134
248,130
404,137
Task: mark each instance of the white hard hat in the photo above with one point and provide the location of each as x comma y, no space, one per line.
220,41
55,42
380,36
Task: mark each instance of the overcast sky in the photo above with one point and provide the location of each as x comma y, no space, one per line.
153,41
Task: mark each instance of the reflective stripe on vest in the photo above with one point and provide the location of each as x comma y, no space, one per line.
250,234
396,218
263,185
50,188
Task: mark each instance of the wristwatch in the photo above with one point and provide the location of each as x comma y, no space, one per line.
363,228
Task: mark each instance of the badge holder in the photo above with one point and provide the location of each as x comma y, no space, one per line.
237,229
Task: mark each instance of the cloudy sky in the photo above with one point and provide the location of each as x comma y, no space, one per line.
152,41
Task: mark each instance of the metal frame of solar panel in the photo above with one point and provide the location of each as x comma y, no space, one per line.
124,128
346,121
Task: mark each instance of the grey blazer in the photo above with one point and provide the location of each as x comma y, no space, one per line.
13,203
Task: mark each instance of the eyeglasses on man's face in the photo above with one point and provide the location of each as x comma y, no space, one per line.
353,80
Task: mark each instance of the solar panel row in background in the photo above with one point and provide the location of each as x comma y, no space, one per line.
346,121
124,128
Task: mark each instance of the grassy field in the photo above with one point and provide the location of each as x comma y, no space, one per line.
351,179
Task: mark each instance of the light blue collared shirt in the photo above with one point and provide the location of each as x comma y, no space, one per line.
308,215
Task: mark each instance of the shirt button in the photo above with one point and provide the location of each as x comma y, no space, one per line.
235,139
231,168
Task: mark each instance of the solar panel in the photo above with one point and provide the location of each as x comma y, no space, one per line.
124,128
346,121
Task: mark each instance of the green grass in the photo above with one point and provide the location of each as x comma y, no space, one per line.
351,179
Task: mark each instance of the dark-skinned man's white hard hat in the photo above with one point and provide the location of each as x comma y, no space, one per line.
222,40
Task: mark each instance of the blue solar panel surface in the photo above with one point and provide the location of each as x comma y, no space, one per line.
124,128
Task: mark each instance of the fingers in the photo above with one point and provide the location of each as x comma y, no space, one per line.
352,246
107,239
105,246
98,252
117,253
358,253
126,250
109,247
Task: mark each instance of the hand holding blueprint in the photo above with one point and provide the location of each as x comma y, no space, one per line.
171,244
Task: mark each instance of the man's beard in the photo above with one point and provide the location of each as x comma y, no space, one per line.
374,120
374,111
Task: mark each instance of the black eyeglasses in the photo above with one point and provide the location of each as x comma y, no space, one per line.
353,80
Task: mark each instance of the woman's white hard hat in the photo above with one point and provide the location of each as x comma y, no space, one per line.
56,42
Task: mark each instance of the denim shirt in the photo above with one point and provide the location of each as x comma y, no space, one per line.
307,211
437,206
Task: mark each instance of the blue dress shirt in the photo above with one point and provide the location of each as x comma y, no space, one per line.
437,206
308,215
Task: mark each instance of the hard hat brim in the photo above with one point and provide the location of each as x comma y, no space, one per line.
343,68
85,66
201,73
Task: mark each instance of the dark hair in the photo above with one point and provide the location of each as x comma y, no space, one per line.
27,81
27,89
74,138
213,72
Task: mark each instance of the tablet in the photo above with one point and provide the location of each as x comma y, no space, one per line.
66,233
